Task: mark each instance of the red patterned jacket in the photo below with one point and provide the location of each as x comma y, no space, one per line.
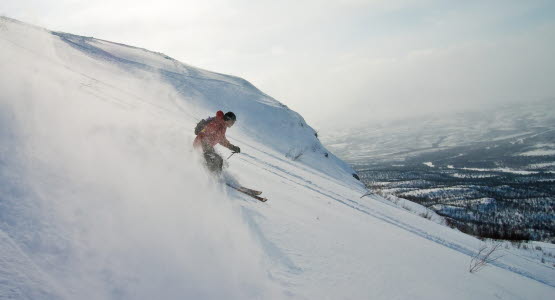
213,133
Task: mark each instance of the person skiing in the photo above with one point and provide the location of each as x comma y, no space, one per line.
214,133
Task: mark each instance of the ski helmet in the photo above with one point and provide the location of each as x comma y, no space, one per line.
230,116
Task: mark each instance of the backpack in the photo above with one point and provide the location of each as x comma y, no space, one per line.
201,124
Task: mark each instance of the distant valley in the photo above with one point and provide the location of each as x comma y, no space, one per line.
490,173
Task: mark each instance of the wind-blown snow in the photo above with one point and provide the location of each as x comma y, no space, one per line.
103,197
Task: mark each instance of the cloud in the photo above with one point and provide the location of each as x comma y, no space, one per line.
458,77
330,58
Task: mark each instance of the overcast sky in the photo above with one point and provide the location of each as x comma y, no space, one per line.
337,62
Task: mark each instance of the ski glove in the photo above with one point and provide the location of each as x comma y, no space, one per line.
235,149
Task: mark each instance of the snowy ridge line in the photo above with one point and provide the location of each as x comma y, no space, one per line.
90,49
172,77
161,109
395,222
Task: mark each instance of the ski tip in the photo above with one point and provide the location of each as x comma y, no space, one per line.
251,193
261,199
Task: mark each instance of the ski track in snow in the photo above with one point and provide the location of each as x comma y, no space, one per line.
250,215
288,162
381,216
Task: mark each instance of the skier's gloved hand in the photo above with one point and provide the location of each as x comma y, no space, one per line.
235,149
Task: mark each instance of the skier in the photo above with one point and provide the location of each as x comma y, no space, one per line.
214,133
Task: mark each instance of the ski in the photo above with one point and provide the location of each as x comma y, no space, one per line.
249,192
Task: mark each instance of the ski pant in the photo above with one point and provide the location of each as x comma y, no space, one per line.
214,162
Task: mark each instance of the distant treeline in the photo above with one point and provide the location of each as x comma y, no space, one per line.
485,204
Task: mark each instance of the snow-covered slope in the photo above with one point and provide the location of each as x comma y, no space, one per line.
103,197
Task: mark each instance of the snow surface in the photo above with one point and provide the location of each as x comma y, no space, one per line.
541,165
504,170
103,197
538,152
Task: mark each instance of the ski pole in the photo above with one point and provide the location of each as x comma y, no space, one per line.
231,155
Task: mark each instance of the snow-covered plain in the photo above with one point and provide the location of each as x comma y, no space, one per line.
103,197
